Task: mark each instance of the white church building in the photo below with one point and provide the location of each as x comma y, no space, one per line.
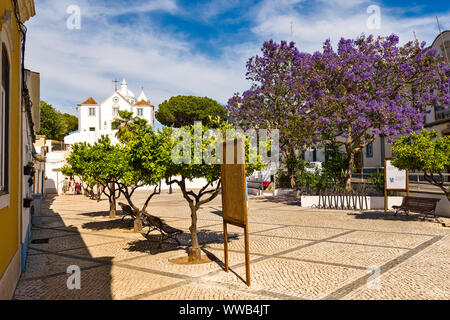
95,119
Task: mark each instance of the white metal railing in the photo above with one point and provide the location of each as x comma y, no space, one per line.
417,181
418,184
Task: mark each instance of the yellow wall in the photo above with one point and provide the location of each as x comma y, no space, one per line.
9,217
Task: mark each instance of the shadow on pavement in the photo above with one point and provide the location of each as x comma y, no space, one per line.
287,199
54,251
377,215
119,213
107,225
205,237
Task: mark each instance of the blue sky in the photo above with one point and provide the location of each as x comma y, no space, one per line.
173,47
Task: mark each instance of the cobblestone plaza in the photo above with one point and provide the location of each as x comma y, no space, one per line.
295,252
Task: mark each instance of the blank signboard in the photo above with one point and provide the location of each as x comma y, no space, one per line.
234,193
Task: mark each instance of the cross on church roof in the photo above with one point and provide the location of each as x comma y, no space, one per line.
115,84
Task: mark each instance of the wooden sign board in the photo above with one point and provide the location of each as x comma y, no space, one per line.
234,195
394,180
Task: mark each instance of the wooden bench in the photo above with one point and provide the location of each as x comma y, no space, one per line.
128,211
417,204
155,223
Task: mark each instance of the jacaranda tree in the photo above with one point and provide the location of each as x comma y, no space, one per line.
278,99
374,86
347,97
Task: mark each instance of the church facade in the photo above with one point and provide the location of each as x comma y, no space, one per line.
96,119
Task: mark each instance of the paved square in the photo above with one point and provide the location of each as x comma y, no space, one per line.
296,253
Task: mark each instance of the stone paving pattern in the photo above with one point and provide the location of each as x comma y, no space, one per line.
296,253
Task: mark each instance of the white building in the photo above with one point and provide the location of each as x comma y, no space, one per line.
95,120
55,160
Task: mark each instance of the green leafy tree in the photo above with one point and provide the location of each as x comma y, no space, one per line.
376,179
147,155
71,122
77,165
193,168
102,163
336,164
181,111
126,126
315,180
107,166
67,171
53,125
77,160
426,152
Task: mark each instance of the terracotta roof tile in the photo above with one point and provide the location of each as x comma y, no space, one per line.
142,103
90,101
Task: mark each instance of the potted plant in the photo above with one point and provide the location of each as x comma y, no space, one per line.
27,202
28,169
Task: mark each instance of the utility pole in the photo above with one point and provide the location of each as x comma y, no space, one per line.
292,31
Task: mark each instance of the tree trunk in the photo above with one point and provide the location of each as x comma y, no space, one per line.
349,172
138,222
291,166
137,226
112,207
194,252
98,193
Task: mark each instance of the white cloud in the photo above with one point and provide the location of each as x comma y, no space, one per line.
338,18
77,64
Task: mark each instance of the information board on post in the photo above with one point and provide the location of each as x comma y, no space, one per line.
394,180
234,195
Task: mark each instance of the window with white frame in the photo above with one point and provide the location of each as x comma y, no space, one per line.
115,111
140,112
4,122
91,112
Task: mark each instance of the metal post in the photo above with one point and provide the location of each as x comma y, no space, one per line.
274,185
247,256
385,191
225,244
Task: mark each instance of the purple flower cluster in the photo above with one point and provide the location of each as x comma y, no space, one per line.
368,86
